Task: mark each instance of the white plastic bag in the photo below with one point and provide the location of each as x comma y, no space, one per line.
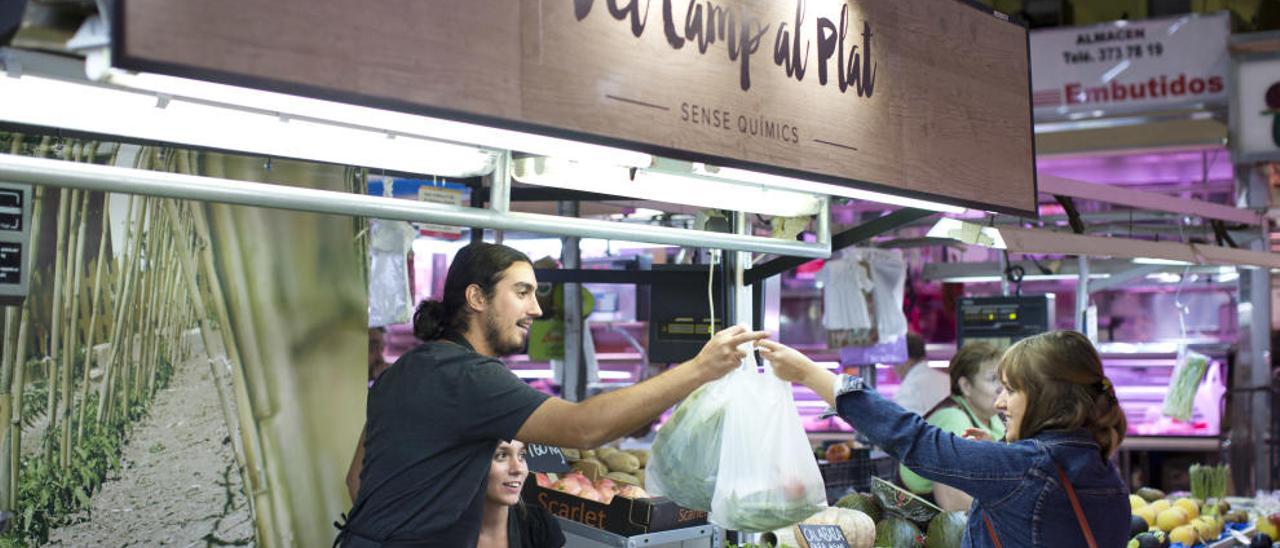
389,299
685,458
768,478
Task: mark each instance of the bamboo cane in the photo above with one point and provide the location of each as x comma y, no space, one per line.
91,334
11,314
18,387
164,325
146,312
160,304
64,199
8,350
255,490
73,337
132,243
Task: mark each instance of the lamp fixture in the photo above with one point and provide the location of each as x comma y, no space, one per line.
359,116
665,183
1156,261
967,232
79,106
804,185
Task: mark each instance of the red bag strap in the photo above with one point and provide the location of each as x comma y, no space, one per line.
1075,505
991,530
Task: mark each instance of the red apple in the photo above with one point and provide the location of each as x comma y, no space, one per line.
567,486
606,485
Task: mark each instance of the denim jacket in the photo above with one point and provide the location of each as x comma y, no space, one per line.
1016,484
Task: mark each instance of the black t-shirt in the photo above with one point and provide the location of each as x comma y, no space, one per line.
532,526
434,420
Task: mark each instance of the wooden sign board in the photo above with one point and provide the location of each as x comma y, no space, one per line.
921,98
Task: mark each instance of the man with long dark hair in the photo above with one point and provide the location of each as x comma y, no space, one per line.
435,417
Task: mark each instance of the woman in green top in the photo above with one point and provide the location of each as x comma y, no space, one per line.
975,384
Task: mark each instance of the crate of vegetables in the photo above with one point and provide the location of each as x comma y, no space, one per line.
846,468
620,508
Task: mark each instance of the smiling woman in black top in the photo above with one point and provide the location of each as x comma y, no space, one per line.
508,522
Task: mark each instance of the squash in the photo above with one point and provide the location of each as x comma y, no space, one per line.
858,529
865,503
898,532
947,529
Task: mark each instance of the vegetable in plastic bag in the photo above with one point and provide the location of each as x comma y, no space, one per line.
686,452
768,478
1184,383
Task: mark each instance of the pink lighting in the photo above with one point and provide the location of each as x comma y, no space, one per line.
1153,168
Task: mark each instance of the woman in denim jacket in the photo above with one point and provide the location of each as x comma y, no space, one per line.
1064,421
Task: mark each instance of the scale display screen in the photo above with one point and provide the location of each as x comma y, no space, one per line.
1003,321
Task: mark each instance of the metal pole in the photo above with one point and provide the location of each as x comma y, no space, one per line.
1082,292
500,189
1004,274
209,189
1250,413
575,385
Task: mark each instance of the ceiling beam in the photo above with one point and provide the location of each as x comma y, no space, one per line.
1060,186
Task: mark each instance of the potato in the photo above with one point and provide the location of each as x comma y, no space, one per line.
602,452
589,454
571,454
641,455
621,477
591,468
622,462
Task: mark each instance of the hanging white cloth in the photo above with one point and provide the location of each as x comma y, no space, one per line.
844,286
888,282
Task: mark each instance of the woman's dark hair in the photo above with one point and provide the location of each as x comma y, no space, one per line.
481,264
1061,374
968,362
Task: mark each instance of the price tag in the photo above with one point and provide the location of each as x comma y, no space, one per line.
545,458
822,536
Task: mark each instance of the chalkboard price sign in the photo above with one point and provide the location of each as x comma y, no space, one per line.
822,536
545,458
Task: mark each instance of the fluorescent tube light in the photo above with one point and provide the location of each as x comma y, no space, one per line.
803,185
967,232
391,121
664,187
1155,261
92,108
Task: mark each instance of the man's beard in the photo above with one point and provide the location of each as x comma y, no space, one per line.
500,346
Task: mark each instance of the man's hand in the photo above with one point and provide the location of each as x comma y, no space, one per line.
788,364
721,354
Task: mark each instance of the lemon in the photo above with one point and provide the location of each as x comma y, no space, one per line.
1184,534
1136,502
1189,506
1205,528
1266,527
1171,518
1161,505
1147,513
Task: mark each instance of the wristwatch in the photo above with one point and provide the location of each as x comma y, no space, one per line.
848,383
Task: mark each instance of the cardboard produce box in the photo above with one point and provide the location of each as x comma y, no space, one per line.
622,516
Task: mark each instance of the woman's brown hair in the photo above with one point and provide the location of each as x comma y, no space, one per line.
1061,375
968,362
